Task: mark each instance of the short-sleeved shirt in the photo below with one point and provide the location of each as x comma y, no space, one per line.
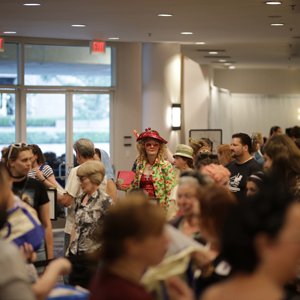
73,189
32,192
88,222
45,169
240,174
108,168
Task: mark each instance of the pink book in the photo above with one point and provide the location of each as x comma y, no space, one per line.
125,178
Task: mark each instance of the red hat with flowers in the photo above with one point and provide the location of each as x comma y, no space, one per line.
153,134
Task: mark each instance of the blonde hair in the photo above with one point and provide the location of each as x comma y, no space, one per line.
93,169
142,151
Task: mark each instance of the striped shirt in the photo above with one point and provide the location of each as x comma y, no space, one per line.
46,170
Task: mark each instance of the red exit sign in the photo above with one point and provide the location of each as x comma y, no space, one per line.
97,47
1,44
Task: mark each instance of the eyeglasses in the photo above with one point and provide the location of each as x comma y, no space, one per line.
17,146
154,145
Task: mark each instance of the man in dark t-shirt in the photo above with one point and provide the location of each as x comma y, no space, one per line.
18,160
243,164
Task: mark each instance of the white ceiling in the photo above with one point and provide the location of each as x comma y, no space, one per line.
239,27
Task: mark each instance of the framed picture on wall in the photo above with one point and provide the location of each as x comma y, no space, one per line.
52,194
214,135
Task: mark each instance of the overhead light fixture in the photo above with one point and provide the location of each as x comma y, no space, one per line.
78,25
200,43
213,52
231,67
227,64
31,4
222,60
273,2
165,15
277,24
114,38
9,32
187,32
176,116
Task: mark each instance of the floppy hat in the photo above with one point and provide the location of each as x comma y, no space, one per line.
153,134
184,150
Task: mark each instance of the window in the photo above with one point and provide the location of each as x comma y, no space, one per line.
48,65
58,93
91,118
7,118
8,65
46,121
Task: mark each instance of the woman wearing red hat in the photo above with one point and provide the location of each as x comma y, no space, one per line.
154,174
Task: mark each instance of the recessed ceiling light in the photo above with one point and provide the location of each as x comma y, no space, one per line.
277,24
273,2
213,52
78,25
114,38
187,32
227,64
31,4
200,43
165,15
231,67
222,60
9,32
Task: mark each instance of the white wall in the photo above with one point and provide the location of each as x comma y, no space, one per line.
268,82
161,88
127,103
196,95
256,100
148,82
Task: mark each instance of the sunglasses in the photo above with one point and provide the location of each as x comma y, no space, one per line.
15,146
154,145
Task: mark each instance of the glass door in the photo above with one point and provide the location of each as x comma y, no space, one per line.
91,118
7,118
45,126
54,121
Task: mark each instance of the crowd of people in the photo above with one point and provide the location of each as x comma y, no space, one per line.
234,214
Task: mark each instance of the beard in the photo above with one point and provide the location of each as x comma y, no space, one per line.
3,215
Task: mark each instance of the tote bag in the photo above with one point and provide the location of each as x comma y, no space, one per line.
23,226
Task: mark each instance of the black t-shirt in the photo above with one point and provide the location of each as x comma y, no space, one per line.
32,192
240,174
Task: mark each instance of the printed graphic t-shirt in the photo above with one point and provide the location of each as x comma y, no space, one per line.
240,174
32,192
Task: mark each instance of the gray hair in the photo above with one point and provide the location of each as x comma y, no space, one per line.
84,147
